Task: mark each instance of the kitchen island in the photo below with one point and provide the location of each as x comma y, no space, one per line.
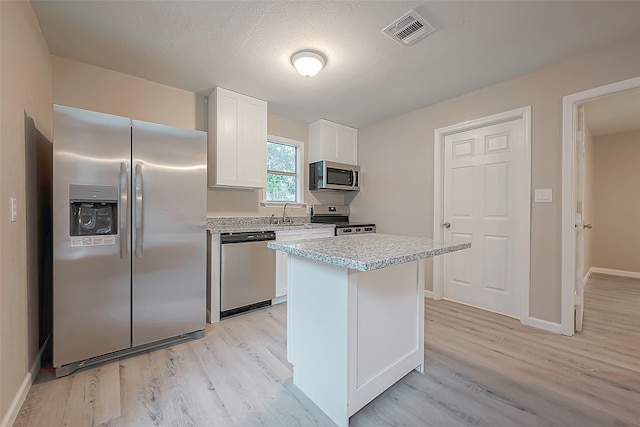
355,315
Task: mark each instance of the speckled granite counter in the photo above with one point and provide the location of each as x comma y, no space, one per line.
249,224
367,252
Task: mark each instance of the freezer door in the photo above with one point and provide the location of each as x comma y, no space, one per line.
169,236
91,271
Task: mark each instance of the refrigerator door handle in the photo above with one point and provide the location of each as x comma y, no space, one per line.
139,206
124,209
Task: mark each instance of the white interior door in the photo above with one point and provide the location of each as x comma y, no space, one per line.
486,201
579,228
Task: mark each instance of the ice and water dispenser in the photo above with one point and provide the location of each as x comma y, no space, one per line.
93,215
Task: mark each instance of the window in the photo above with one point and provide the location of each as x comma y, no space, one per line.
284,171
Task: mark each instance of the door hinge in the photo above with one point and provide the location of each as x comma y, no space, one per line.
577,299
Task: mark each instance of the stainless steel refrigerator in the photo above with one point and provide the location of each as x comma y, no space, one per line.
129,236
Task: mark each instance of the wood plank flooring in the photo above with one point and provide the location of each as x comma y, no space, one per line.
482,369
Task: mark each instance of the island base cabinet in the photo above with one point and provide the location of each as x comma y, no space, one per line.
352,334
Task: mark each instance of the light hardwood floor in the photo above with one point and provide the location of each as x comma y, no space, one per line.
482,369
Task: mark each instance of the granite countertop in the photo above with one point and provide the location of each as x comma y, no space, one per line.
251,224
366,252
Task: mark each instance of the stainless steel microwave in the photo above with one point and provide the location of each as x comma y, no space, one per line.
325,175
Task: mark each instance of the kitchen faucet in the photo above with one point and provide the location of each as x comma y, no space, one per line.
285,218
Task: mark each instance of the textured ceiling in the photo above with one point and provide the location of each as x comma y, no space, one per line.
245,46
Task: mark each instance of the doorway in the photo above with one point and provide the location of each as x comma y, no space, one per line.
574,225
482,182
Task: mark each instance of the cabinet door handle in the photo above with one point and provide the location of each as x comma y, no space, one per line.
447,225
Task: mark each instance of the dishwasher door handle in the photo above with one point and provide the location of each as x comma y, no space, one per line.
230,238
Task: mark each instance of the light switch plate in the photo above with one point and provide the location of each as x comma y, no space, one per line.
543,195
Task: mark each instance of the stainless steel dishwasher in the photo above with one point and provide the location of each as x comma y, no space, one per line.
247,272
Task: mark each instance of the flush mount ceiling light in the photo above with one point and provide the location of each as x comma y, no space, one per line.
308,63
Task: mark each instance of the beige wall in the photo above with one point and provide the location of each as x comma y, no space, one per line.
25,86
396,156
93,88
80,85
233,202
616,234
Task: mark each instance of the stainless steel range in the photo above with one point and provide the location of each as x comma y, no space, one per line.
339,215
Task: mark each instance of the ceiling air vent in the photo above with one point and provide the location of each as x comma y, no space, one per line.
409,29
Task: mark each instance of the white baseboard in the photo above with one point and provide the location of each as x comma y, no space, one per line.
213,317
279,300
21,395
18,400
586,277
545,325
611,272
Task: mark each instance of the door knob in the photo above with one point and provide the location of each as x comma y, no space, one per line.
589,226
447,225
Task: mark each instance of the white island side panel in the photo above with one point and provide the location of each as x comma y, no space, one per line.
318,336
352,334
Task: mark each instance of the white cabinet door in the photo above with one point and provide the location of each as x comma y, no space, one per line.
226,133
347,145
281,273
237,140
255,143
333,142
283,258
213,278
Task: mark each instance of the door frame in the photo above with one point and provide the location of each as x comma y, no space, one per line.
523,113
570,104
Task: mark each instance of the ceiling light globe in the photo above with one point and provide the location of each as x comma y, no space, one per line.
308,63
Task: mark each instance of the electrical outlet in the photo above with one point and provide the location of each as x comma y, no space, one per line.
14,209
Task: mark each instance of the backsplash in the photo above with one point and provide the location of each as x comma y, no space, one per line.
241,221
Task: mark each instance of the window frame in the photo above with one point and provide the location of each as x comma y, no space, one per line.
299,145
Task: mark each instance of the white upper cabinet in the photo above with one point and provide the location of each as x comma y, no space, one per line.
334,142
237,140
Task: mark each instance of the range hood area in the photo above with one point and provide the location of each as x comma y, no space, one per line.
325,175
333,157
